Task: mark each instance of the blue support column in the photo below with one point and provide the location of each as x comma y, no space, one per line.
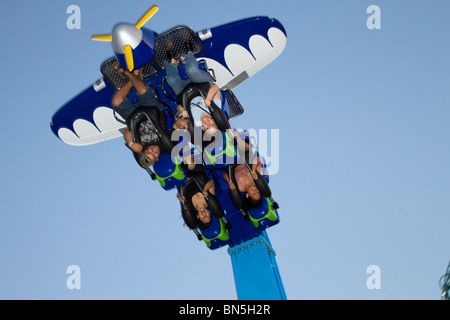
256,271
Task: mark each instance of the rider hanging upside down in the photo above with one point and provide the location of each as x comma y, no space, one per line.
245,181
146,137
221,148
193,196
149,142
200,209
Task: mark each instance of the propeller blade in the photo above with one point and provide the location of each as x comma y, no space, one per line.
150,13
102,37
129,57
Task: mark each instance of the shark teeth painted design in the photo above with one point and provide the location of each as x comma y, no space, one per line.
244,64
106,127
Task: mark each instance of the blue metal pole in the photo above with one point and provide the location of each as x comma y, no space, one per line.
256,271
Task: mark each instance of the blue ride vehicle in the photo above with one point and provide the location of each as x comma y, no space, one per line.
231,53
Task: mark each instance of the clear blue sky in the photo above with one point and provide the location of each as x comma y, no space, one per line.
364,119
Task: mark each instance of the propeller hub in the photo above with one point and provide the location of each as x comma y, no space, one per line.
126,35
133,46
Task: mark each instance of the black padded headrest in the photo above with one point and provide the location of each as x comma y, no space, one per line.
142,114
191,91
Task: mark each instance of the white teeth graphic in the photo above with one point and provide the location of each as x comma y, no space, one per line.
105,121
87,133
84,128
222,75
278,40
238,58
259,46
244,64
239,61
67,136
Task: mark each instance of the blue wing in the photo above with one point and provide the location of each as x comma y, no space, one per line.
233,53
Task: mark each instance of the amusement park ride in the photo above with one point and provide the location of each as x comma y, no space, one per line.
231,53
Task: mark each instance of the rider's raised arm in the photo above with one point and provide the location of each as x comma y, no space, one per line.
209,186
213,93
128,136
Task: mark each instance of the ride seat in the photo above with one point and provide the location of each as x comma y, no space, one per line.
216,234
169,172
264,216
